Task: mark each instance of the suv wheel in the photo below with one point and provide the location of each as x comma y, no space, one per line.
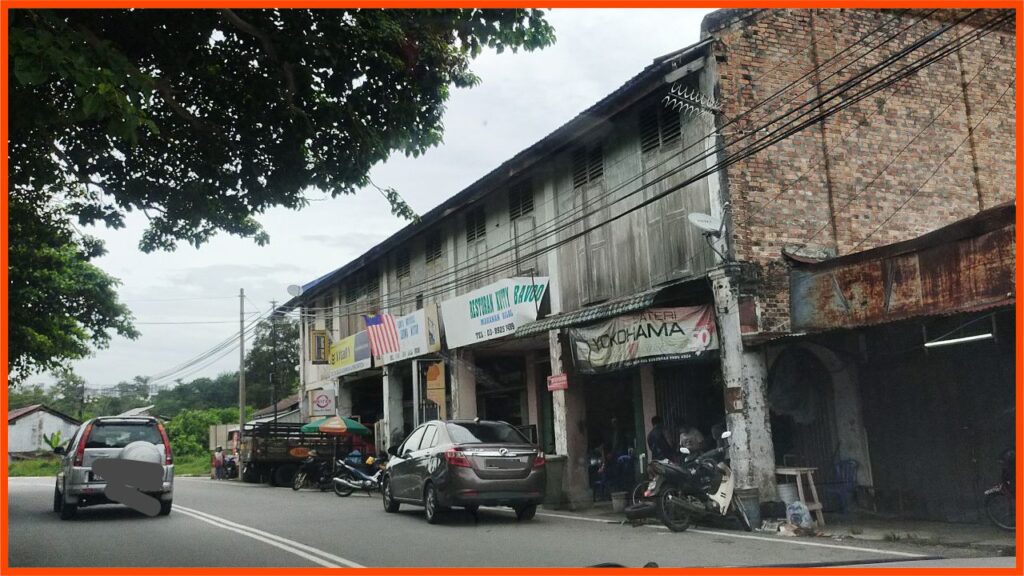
67,510
430,505
56,498
165,507
390,504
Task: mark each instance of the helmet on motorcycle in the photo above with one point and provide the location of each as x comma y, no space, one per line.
370,460
313,453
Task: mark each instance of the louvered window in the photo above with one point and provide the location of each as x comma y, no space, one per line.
520,201
371,284
434,247
659,126
587,166
476,225
402,264
352,291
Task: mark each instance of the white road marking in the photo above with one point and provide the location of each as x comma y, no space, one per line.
325,558
749,537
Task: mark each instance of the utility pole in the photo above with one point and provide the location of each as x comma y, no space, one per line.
241,378
273,355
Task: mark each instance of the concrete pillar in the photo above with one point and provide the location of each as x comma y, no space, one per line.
344,397
745,378
650,405
569,407
532,401
463,385
393,418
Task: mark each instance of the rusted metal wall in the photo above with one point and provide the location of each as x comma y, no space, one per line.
968,274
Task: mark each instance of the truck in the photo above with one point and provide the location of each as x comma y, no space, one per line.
272,452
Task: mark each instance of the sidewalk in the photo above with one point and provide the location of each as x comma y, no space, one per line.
870,527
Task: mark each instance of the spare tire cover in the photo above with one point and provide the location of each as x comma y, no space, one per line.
143,452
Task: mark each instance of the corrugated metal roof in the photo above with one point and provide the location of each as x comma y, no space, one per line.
13,415
591,314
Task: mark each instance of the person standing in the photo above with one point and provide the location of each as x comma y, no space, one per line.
218,463
657,442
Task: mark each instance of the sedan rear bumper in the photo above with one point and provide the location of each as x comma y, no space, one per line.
465,488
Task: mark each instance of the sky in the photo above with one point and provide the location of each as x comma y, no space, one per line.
186,302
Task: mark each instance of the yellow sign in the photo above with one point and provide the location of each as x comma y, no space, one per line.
350,354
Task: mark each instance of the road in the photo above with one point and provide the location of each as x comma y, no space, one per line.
232,524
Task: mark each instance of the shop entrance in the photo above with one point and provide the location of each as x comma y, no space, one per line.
690,394
501,389
614,431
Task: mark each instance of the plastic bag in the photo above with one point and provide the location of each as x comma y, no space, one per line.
798,514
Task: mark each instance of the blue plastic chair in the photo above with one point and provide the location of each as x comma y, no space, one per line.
845,483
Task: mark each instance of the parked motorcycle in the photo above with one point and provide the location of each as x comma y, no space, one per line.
700,487
1000,502
314,470
230,467
350,478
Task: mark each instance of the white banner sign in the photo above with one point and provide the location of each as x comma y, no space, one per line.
419,333
493,311
321,402
649,336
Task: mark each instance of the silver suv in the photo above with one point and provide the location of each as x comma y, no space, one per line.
133,438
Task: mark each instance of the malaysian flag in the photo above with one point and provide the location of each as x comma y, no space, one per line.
383,334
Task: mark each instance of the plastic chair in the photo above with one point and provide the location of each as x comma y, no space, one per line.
845,484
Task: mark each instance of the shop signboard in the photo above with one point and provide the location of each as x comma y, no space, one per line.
322,402
493,311
416,334
350,354
558,382
652,335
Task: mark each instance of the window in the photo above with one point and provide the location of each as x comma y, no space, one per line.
402,264
412,443
520,200
434,247
659,126
429,438
476,224
485,433
121,435
318,346
352,292
371,283
587,166
419,301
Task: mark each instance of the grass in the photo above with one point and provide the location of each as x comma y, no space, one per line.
34,467
192,465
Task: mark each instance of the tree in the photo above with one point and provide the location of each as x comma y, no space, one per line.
272,359
21,395
202,120
68,394
201,393
61,305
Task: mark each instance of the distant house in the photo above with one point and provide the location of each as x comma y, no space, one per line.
287,411
27,426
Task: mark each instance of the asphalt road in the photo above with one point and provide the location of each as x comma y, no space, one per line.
232,524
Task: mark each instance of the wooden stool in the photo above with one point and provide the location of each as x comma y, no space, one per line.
799,473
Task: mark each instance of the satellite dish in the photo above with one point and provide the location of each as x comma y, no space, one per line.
295,290
706,222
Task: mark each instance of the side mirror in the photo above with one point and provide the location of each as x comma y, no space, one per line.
684,450
726,434
393,450
59,450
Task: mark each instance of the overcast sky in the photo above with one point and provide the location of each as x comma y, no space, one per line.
522,98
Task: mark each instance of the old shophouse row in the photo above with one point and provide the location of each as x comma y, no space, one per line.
580,288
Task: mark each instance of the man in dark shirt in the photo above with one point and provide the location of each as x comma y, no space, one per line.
657,442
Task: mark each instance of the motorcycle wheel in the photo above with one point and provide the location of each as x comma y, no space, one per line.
1000,510
676,518
342,490
298,481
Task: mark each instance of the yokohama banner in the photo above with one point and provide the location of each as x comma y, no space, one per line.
652,335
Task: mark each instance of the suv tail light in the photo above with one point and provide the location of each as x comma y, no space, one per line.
168,457
539,461
455,457
80,450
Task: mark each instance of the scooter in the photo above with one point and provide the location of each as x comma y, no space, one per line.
351,478
701,487
314,470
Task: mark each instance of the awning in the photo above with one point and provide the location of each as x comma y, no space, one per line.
592,313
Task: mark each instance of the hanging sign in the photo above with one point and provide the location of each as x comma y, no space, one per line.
417,334
652,335
493,311
350,355
322,402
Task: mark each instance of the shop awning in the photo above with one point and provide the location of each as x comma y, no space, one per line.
592,313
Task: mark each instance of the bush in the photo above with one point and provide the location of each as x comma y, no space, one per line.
189,431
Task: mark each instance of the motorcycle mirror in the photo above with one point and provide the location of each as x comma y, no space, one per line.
684,450
726,434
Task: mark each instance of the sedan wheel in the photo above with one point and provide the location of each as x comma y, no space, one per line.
430,504
524,513
390,504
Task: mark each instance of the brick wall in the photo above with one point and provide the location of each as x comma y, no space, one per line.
819,187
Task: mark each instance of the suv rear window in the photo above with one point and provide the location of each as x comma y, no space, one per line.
484,433
121,435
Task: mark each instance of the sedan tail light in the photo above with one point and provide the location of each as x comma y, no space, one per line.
539,461
80,450
455,457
